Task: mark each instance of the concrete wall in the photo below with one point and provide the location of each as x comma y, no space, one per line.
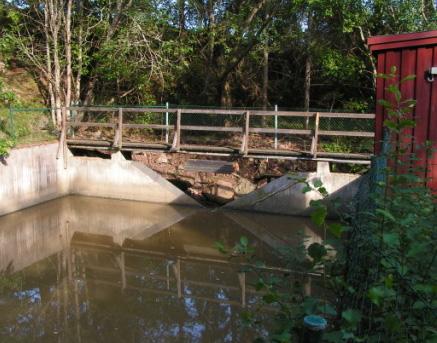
285,195
121,179
32,175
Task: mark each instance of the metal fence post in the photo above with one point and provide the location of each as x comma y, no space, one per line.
11,123
166,123
276,128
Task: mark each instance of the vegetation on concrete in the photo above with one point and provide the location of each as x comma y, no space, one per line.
377,267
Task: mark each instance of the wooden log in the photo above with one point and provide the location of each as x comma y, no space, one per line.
315,139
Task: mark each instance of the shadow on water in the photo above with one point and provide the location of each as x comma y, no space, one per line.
96,270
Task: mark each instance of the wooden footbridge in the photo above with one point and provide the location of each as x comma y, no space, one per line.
248,133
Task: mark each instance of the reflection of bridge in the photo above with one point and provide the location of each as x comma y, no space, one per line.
303,132
89,261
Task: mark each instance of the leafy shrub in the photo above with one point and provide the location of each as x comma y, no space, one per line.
378,266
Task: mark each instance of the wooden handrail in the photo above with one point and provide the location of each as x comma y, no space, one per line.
118,125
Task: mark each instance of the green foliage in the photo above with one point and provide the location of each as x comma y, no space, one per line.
379,266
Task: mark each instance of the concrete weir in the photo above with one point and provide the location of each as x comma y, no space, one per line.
285,195
32,175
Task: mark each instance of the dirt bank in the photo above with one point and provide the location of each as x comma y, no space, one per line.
246,174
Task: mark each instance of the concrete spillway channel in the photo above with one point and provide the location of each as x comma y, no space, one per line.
32,175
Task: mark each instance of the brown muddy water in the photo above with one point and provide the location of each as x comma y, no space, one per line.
82,269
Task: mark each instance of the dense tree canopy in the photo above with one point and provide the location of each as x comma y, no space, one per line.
298,54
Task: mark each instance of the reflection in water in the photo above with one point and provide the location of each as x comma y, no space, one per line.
120,271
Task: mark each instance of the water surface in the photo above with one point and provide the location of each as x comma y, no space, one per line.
82,269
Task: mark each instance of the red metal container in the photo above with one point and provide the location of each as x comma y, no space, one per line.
411,53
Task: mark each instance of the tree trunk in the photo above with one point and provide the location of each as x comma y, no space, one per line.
265,87
49,79
68,75
181,9
226,99
308,67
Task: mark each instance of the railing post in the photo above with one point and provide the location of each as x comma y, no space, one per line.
315,135
276,128
177,132
166,124
120,128
245,141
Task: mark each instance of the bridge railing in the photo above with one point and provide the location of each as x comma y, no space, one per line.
311,128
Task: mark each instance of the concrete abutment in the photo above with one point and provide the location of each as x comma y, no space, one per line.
32,175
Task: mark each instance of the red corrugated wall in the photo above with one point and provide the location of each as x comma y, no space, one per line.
412,53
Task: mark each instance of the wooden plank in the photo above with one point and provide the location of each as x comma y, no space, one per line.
315,139
345,155
311,114
347,133
148,126
125,109
432,161
276,153
211,111
422,112
89,142
280,131
208,148
154,146
282,113
90,124
408,67
209,166
211,128
347,115
379,119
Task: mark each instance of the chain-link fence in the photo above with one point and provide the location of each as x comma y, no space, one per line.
26,125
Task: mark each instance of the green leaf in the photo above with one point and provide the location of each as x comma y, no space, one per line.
220,247
327,309
380,293
306,189
408,78
384,103
351,316
391,239
392,322
310,305
336,229
317,183
284,336
386,214
318,216
270,298
317,251
244,241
